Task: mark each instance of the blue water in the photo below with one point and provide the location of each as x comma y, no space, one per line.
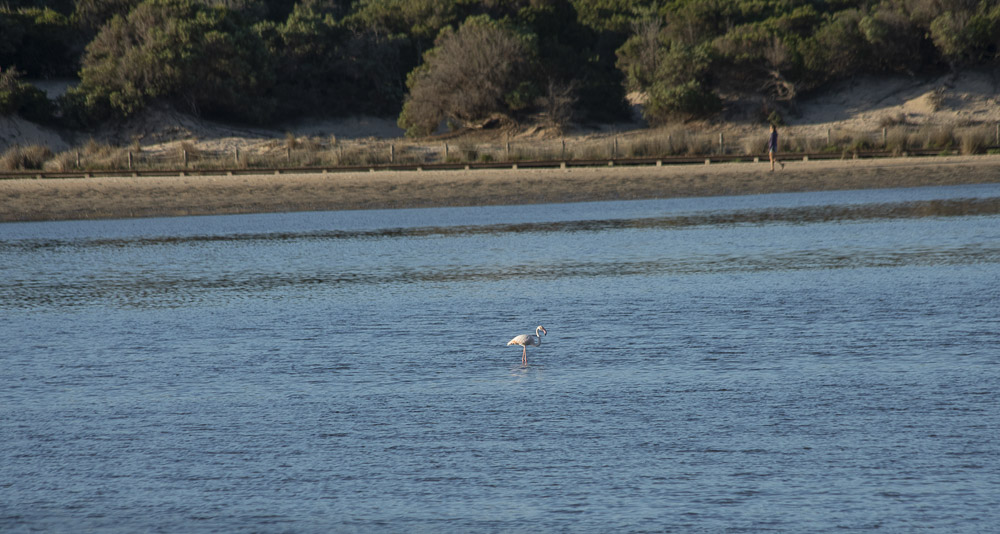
799,363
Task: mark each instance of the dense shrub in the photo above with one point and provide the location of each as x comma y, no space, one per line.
781,49
91,15
680,85
968,35
200,58
22,98
327,67
421,20
39,41
268,60
472,73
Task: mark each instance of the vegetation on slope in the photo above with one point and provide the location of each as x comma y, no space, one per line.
464,61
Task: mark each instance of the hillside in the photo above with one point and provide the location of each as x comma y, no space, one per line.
466,63
859,107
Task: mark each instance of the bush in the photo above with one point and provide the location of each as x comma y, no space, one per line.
23,98
837,50
61,162
897,140
198,57
973,140
472,73
91,15
31,157
556,103
103,156
39,40
895,37
681,87
966,36
755,145
639,56
936,137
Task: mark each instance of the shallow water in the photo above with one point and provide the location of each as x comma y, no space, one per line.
802,362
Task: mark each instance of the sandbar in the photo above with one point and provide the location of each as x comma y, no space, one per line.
162,196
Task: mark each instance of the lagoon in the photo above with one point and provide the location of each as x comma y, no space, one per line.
790,362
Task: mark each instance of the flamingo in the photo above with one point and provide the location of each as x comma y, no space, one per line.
524,340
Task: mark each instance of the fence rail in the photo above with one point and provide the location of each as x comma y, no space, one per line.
450,166
652,147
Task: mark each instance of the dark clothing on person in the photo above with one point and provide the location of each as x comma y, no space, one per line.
772,143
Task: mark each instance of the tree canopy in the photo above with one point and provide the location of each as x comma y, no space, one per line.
686,53
460,61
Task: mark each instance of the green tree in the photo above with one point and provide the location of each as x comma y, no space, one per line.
40,41
90,15
681,86
896,38
325,66
614,16
421,20
639,57
574,54
472,73
968,35
21,98
838,49
202,59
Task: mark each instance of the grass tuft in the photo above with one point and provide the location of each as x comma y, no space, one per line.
31,157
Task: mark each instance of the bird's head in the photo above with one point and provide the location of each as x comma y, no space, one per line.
542,328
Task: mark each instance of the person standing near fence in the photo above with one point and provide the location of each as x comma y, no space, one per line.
772,148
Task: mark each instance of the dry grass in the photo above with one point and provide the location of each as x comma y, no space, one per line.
32,157
973,140
62,162
754,145
663,142
897,140
934,137
899,119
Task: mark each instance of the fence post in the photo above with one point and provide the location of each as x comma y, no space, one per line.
884,137
508,150
288,154
236,156
392,153
129,160
722,143
828,138
446,152
998,134
185,154
564,148
77,159
614,151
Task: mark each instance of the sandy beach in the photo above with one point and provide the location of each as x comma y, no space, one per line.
123,197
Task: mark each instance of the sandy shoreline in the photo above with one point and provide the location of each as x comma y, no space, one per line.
123,197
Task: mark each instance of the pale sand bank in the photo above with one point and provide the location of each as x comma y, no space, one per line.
93,198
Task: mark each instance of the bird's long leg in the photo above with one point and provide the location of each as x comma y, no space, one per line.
524,355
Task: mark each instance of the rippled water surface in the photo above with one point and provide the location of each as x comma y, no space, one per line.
806,362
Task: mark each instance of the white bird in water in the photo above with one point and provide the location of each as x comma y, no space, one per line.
525,340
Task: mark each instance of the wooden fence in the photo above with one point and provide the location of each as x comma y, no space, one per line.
646,148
